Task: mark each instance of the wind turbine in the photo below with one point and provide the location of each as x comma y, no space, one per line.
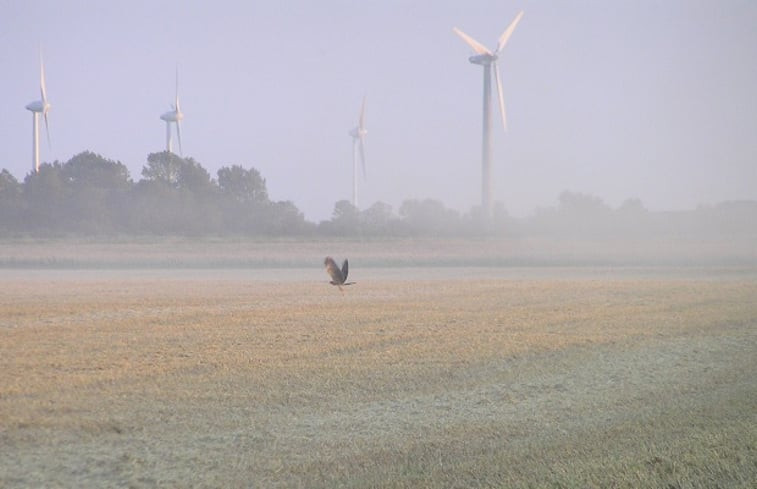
39,107
174,115
488,60
358,149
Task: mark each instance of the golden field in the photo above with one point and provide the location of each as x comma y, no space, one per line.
453,377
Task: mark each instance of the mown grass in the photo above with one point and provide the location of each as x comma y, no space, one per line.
144,381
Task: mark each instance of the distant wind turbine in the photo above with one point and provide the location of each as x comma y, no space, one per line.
358,150
174,115
38,107
488,59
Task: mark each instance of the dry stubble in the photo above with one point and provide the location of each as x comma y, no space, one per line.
228,382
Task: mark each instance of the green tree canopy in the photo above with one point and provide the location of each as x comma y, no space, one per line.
243,186
176,172
88,169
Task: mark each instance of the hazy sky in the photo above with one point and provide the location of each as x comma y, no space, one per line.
648,99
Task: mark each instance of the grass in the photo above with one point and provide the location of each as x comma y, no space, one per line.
220,380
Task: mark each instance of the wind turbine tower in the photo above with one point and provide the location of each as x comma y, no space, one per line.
358,151
38,107
173,116
488,60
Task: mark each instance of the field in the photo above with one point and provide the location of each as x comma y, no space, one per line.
414,377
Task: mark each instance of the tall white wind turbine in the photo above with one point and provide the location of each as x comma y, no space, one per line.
174,115
488,60
38,107
358,151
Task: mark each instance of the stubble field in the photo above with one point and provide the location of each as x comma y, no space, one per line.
451,378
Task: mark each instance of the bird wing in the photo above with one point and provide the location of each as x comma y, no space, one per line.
333,270
345,270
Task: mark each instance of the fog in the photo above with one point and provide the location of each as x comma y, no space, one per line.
647,100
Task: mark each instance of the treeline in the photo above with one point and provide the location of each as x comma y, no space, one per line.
92,195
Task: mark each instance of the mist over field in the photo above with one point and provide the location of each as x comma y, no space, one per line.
92,199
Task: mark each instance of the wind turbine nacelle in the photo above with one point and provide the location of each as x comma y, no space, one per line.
37,106
483,59
358,133
172,116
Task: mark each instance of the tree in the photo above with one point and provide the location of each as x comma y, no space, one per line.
87,169
11,203
582,205
195,178
345,211
632,207
631,218
345,220
176,196
429,216
577,215
377,218
244,201
10,189
286,219
163,168
243,186
479,223
175,172
97,191
45,194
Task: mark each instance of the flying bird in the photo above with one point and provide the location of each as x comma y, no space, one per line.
338,276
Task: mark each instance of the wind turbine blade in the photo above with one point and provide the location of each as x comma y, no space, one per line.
500,95
477,46
177,91
47,130
362,156
178,136
508,32
168,136
42,88
361,126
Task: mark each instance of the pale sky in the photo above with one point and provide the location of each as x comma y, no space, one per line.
618,99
